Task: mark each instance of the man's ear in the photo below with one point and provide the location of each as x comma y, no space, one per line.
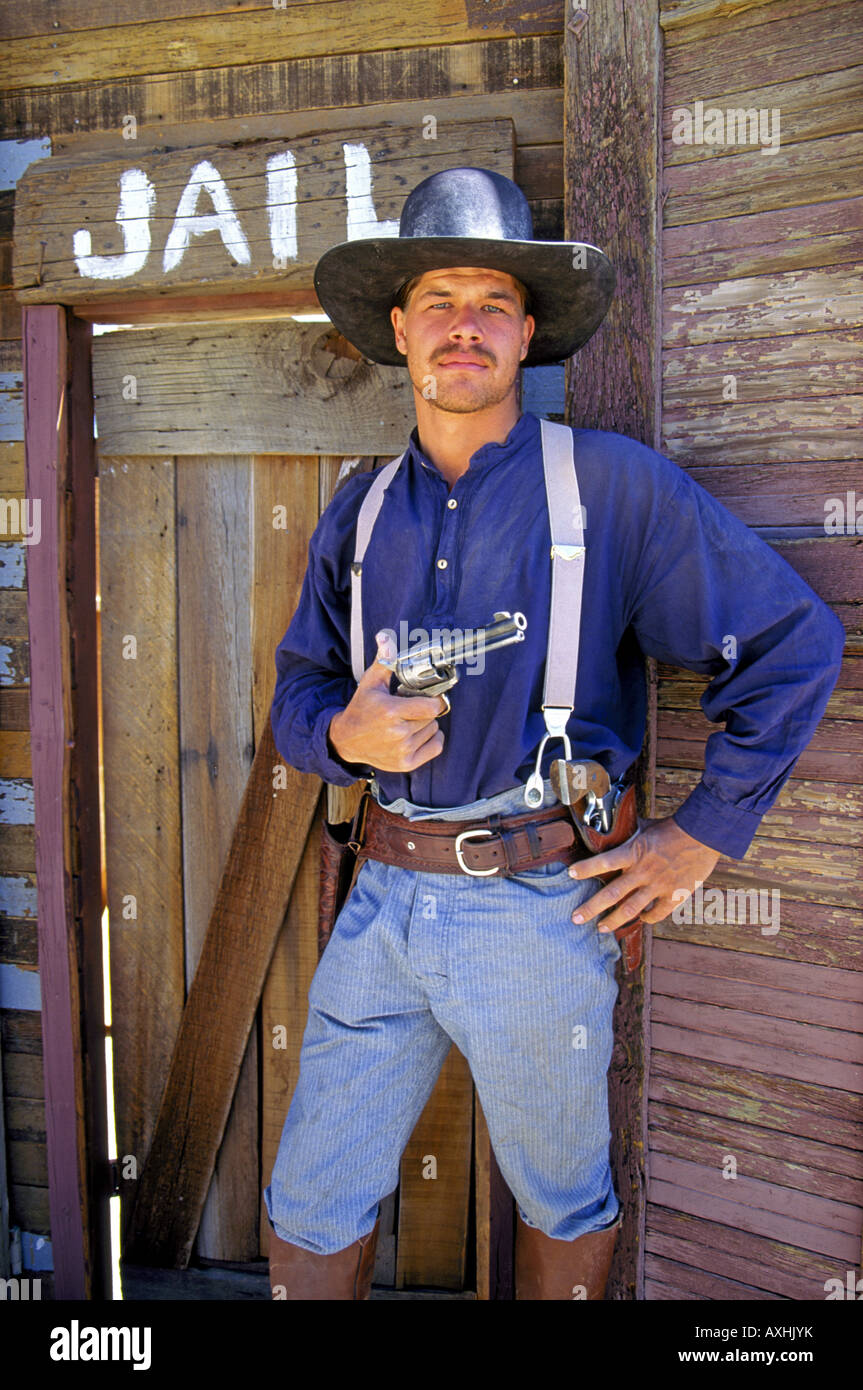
530,322
397,321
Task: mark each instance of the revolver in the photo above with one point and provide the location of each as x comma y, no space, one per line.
430,669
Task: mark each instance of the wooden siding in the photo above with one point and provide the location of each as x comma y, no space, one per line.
755,1125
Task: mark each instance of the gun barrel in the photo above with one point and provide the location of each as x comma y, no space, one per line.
471,642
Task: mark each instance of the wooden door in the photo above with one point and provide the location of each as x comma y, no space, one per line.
202,556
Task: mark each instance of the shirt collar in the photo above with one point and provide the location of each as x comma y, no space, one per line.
486,455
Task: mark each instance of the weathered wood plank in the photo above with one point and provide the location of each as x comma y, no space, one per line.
818,982
18,850
484,92
253,895
275,387
781,430
737,1052
688,20
611,154
268,236
764,243
830,812
141,768
299,30
744,180
786,1104
284,1009
792,1174
18,942
495,1219
782,369
688,1281
276,98
807,1163
763,1263
831,1042
811,108
285,512
29,1209
762,306
818,1211
24,1075
15,755
431,1248
28,1164
216,747
46,16
760,998
817,933
742,56
50,469
5,1262
783,1228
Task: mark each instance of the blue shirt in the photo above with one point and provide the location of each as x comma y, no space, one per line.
668,572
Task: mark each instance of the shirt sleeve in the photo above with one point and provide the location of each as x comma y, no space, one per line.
314,680
716,599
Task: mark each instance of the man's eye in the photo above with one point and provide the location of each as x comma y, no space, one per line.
446,304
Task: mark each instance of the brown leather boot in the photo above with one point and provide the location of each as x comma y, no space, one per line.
549,1268
296,1273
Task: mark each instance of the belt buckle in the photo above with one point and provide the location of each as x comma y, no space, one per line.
475,873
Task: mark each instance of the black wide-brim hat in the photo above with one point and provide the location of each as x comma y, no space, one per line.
466,217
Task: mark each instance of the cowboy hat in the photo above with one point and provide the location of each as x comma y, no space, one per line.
466,217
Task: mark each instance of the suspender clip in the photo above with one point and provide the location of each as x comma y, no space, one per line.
556,717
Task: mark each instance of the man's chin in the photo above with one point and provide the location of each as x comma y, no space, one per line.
464,398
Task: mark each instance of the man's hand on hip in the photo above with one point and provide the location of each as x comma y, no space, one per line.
661,860
392,733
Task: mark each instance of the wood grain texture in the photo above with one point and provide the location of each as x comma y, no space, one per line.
814,107
52,723
216,750
611,153
780,1269
297,31
278,98
746,180
57,198
762,306
495,1219
433,1210
250,906
734,55
276,387
141,768
285,486
764,243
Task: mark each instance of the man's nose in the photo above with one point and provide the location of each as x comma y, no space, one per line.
468,324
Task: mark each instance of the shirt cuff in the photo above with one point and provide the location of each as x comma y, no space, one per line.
723,827
332,768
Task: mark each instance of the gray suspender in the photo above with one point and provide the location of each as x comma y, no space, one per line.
366,519
567,574
567,577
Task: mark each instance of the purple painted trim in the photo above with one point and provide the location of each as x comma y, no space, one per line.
45,430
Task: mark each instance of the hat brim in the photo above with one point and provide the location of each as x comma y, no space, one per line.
357,280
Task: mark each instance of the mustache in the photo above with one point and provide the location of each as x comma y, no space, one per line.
471,356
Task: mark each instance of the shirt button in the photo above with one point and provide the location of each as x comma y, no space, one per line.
441,564
452,502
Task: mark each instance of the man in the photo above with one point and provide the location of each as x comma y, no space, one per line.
513,966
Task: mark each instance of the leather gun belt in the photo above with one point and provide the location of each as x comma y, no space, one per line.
501,845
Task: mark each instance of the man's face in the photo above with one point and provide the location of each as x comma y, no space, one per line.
464,334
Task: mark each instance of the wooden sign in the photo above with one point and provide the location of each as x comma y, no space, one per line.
226,216
276,387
